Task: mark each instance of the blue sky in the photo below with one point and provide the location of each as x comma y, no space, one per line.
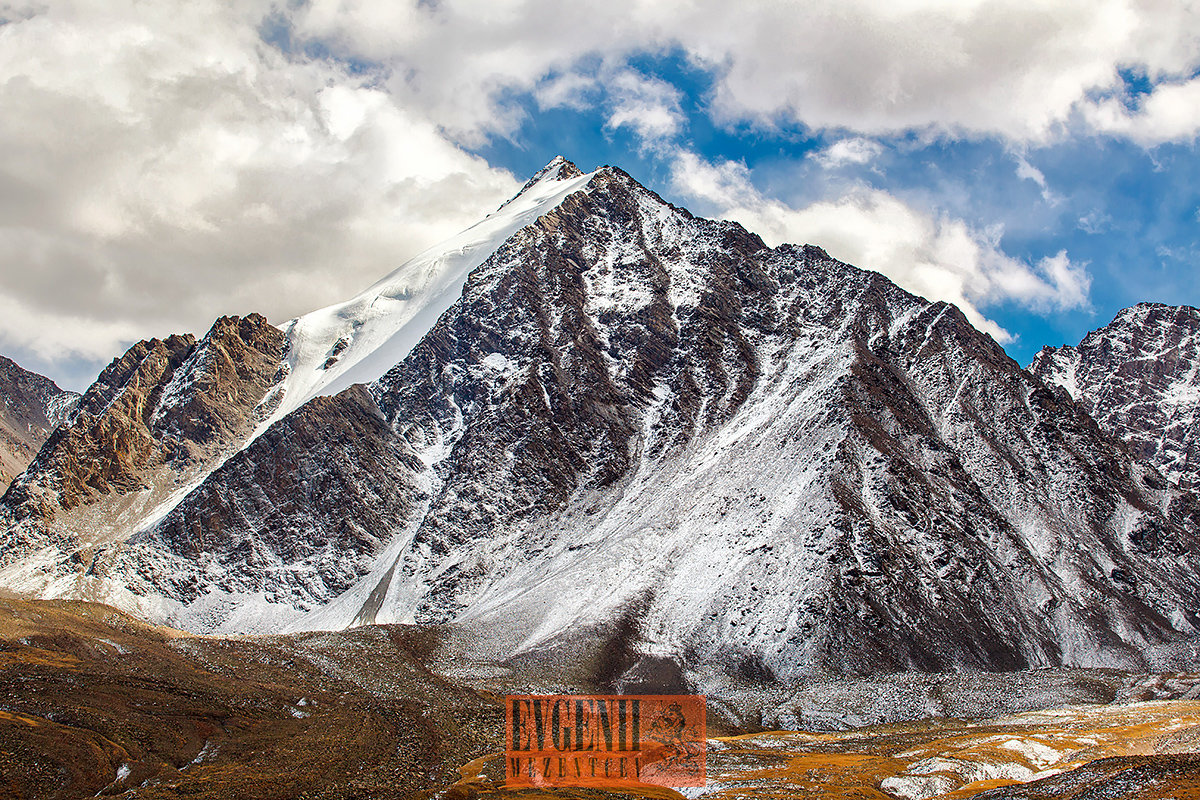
161,164
1126,212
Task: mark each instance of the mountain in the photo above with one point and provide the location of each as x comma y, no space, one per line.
1139,377
153,424
31,406
597,427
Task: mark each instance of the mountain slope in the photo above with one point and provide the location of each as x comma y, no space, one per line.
645,434
153,424
357,341
1139,376
31,406
126,461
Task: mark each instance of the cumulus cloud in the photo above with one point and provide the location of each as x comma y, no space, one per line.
50,335
647,105
160,165
571,90
937,257
855,151
991,67
1170,113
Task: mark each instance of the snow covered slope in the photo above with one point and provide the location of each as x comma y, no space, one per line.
1139,376
167,413
649,432
357,341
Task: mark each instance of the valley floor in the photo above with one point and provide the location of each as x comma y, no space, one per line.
96,703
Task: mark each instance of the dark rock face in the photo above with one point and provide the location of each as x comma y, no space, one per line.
31,406
173,402
309,499
760,461
1139,377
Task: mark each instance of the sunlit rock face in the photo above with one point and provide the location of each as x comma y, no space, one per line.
31,406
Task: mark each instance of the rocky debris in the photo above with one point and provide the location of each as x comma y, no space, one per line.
1139,377
98,704
31,407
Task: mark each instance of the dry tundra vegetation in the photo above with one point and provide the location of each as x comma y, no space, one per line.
97,703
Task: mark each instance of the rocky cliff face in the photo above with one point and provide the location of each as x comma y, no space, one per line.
31,406
156,418
1139,377
761,461
647,433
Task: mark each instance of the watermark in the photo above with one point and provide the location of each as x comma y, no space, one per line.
604,740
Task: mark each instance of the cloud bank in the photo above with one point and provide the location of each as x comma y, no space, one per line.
163,163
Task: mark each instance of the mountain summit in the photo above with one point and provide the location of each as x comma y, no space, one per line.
1139,376
594,423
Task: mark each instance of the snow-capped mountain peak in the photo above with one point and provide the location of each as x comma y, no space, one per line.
1139,376
356,341
594,420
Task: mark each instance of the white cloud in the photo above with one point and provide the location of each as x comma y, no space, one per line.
1028,172
50,335
1170,113
983,67
571,90
647,105
855,151
937,257
160,165
1095,221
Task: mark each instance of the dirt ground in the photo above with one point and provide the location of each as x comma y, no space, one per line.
93,702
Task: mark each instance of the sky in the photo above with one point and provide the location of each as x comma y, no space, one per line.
165,163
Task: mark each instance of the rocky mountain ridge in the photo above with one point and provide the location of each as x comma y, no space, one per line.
156,419
1139,377
642,433
31,406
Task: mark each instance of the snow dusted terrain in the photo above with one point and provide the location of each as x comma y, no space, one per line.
596,423
1139,376
80,499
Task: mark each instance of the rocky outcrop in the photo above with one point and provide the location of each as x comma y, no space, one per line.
1139,377
31,406
311,499
172,403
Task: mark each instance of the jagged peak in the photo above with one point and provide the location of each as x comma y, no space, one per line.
1142,313
559,169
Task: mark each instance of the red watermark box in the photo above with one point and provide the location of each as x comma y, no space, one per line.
604,740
